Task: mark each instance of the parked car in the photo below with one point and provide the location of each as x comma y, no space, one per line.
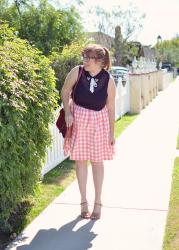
167,66
119,71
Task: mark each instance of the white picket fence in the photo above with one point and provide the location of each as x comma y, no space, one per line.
122,97
55,152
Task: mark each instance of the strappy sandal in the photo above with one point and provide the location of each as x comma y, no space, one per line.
96,215
85,214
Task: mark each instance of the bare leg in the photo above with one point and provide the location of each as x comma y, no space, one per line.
82,173
98,176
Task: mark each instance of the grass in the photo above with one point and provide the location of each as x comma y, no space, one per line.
123,123
171,238
177,142
55,181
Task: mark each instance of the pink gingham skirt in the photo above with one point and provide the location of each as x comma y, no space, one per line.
90,136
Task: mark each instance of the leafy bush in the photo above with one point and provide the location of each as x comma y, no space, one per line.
27,101
62,63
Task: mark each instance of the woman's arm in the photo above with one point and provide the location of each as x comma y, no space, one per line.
66,91
111,107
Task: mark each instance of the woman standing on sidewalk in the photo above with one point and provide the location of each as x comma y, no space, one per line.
93,120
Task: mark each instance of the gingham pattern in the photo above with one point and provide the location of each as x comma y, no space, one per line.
90,136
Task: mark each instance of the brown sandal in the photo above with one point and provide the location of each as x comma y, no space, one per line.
95,215
85,214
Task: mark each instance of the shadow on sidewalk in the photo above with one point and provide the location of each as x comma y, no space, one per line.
64,238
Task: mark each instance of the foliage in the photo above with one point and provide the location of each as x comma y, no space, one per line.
123,24
130,20
130,50
27,102
43,25
168,51
118,46
124,51
103,23
64,62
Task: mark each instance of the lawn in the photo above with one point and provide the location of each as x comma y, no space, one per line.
178,142
171,238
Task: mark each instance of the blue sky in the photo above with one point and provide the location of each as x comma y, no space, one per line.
162,16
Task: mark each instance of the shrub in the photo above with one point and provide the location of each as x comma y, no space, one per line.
62,63
27,102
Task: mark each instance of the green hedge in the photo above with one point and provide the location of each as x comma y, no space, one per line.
27,101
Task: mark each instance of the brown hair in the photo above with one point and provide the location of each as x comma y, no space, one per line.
99,52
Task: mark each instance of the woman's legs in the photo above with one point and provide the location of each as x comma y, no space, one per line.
98,176
82,174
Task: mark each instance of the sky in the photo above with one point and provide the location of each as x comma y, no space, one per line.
162,17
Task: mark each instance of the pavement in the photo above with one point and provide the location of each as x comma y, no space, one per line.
135,195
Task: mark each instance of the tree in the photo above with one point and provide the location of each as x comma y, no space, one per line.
118,45
131,49
130,20
123,25
103,23
43,25
168,51
124,51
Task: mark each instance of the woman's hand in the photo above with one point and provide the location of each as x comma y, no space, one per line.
69,119
112,140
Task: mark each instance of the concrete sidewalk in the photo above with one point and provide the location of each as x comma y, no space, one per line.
135,193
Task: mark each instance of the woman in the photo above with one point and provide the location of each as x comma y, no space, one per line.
92,113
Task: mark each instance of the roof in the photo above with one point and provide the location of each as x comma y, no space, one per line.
148,52
101,38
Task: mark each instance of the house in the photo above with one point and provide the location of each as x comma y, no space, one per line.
148,52
101,38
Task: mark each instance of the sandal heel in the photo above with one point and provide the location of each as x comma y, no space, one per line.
96,215
85,214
